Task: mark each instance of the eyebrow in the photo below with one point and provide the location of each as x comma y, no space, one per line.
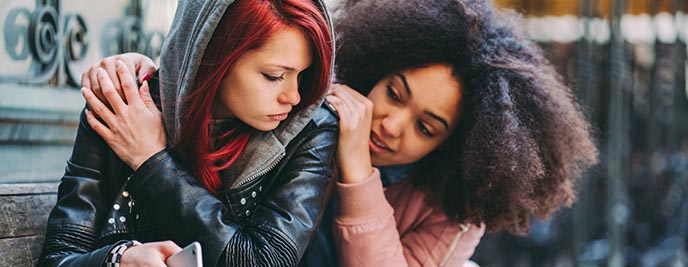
403,80
429,113
282,67
438,118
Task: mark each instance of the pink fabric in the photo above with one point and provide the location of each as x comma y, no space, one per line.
396,228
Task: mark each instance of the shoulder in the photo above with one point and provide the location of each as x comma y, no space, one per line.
411,202
325,116
404,189
321,131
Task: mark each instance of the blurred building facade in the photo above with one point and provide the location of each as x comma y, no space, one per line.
45,45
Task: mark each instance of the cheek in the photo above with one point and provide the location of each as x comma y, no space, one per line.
224,93
416,148
380,106
245,91
376,95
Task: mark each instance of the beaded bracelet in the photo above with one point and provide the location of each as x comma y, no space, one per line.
115,256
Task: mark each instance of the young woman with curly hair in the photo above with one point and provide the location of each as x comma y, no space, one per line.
461,103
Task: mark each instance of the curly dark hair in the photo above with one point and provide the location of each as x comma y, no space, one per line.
522,142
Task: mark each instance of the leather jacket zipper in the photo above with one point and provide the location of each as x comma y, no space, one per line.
263,172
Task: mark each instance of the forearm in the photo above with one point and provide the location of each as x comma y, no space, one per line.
278,228
365,231
177,201
73,225
62,249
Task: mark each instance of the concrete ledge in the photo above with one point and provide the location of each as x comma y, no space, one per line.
37,130
40,104
29,163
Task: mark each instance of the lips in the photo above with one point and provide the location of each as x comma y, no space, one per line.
378,143
279,117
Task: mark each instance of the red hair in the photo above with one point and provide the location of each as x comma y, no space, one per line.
246,25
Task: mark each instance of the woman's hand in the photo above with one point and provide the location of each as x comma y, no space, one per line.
136,64
134,130
355,117
149,254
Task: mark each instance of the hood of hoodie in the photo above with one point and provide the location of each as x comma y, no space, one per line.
189,35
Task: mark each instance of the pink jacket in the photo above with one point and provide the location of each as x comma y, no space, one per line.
396,227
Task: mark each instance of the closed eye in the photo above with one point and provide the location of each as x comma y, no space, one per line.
393,95
424,129
273,78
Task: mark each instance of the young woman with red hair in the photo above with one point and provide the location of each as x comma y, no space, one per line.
239,158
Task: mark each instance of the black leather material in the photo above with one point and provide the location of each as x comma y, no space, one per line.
100,201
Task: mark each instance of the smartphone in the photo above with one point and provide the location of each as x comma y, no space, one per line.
189,256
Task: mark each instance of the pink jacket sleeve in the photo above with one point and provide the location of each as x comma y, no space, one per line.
367,234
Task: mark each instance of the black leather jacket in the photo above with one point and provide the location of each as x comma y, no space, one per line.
268,221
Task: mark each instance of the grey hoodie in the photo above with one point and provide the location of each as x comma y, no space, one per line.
194,24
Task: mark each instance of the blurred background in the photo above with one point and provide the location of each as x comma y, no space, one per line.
625,59
45,45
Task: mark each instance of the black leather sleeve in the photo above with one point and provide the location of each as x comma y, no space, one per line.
73,225
281,225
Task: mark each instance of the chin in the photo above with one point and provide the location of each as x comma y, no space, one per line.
382,162
264,126
377,162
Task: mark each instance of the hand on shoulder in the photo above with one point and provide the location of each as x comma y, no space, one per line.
355,117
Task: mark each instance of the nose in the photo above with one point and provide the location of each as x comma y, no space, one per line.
291,94
393,124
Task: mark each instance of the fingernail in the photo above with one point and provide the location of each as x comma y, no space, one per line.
145,77
119,64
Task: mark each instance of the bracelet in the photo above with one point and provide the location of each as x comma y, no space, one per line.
114,257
